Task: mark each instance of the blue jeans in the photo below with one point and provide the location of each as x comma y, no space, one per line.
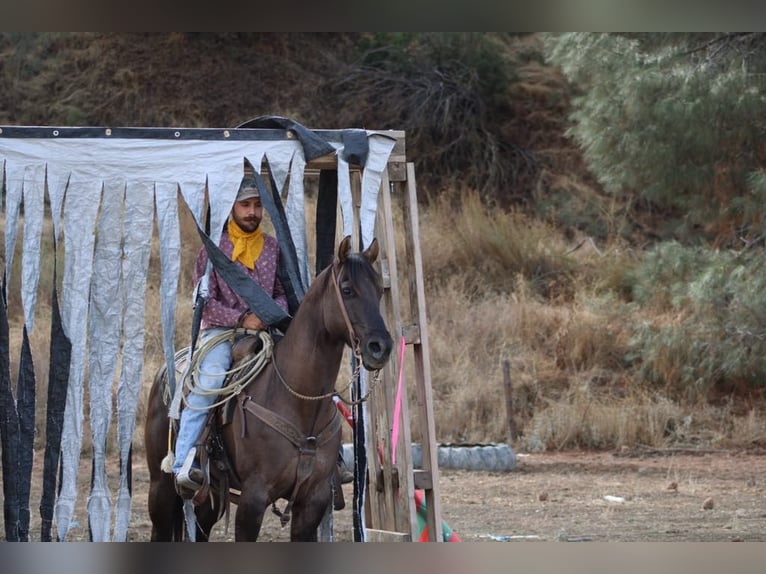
211,376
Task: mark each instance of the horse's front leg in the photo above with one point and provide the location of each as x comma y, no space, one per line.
206,519
308,513
165,509
250,510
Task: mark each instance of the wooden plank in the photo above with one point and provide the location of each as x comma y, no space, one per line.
422,360
379,502
406,514
384,484
397,170
422,480
376,535
411,334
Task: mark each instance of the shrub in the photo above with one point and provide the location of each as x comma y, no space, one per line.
710,334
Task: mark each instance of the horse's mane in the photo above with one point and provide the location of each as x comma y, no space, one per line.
358,266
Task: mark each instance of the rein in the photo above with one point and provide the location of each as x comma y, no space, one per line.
354,341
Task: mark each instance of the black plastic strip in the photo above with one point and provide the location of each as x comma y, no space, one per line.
9,429
360,459
356,146
25,406
326,218
256,298
315,142
288,260
58,382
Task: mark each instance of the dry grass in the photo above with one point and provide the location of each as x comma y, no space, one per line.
568,345
566,341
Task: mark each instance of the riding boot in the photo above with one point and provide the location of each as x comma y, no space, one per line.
189,478
345,476
338,501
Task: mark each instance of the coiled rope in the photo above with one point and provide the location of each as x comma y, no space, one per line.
247,370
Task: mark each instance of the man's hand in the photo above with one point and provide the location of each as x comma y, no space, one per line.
252,321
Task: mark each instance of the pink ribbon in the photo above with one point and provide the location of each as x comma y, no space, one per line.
398,404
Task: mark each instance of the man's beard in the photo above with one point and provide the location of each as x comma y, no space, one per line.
248,225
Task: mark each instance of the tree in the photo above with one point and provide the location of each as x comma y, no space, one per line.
676,121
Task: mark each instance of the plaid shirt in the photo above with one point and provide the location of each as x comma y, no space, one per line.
224,307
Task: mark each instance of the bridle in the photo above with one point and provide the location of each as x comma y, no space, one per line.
355,346
353,339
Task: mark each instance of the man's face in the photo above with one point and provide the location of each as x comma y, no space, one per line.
248,213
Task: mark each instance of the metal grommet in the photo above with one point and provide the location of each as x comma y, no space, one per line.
226,133
177,134
290,135
55,133
108,131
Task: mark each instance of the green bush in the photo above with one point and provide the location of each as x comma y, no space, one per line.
708,335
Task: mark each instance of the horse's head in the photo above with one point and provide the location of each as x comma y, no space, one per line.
359,289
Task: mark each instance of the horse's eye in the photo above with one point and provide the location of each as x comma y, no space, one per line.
347,291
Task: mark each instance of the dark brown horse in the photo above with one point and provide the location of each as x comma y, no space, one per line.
282,443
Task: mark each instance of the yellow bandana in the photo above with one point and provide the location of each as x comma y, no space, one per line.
247,246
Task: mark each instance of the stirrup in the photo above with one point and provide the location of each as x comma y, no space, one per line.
189,478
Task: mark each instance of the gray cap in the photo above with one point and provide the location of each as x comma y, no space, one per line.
247,189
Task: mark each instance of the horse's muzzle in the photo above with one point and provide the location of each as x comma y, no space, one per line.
375,351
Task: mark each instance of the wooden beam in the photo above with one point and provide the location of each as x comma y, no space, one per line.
374,535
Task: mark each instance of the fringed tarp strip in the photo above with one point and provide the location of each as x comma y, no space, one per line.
295,211
58,380
104,336
139,220
380,149
34,191
80,211
13,189
344,196
166,198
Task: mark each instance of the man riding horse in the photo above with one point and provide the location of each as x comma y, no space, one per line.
257,252
281,441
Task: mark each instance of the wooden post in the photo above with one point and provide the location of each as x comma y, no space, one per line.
508,398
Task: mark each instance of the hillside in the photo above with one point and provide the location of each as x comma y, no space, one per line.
224,79
539,267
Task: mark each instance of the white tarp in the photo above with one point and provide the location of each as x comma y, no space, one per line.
80,211
104,335
107,244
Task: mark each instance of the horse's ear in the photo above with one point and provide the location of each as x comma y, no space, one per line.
344,248
371,253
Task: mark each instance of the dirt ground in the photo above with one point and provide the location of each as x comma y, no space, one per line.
633,496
